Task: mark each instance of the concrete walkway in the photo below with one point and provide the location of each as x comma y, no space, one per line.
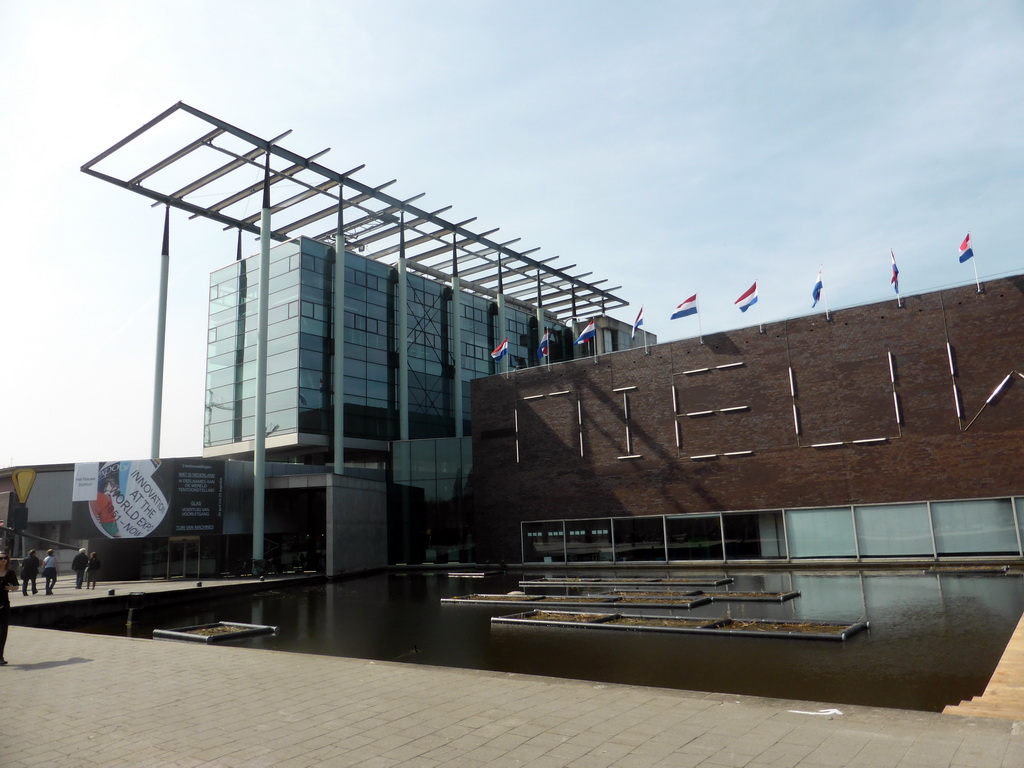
65,588
85,700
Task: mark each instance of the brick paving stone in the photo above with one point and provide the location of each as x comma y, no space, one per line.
597,758
154,703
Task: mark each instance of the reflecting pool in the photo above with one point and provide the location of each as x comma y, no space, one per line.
934,638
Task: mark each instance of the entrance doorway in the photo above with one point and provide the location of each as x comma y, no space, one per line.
183,557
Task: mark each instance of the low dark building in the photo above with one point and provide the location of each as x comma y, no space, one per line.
879,431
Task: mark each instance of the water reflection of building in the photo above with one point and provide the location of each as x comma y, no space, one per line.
880,432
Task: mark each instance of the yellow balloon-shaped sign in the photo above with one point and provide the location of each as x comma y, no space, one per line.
23,480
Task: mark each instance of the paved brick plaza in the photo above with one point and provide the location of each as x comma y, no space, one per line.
85,700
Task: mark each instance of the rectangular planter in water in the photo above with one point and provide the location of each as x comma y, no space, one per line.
220,632
793,630
752,597
604,601
584,581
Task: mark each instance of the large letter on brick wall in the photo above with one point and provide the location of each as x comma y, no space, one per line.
713,409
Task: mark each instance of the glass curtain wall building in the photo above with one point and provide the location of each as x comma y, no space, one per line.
300,357
430,502
426,300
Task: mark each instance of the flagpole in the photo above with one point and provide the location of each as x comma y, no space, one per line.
760,317
821,271
899,299
638,326
974,263
700,333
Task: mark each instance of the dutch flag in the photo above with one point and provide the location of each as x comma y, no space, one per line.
588,333
542,350
688,307
501,350
966,252
895,274
638,322
748,299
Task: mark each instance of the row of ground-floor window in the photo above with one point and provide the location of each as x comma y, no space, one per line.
185,557
928,529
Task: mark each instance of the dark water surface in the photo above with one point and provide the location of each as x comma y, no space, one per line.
934,638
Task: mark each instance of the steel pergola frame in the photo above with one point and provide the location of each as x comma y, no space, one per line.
305,196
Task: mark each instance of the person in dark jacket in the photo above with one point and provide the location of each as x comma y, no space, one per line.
78,565
92,572
29,572
8,583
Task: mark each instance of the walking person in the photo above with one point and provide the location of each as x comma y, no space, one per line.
50,571
9,583
29,572
92,571
78,565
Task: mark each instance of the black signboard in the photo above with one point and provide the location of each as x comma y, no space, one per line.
147,498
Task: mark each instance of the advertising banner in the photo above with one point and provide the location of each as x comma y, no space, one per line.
147,498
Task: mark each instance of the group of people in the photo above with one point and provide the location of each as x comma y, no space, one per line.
86,568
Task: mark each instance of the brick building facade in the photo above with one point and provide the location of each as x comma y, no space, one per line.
874,405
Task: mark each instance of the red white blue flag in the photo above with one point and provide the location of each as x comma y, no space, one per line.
500,351
688,307
588,333
748,299
966,252
638,322
542,350
895,274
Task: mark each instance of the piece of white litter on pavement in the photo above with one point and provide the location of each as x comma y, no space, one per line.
819,712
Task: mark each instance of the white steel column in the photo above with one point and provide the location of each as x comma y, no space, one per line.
403,338
161,333
540,324
259,440
457,341
338,390
457,355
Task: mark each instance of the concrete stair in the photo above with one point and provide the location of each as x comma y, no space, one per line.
1004,695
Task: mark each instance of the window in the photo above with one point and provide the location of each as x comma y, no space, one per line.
544,542
694,537
588,540
894,530
640,538
754,536
822,532
981,526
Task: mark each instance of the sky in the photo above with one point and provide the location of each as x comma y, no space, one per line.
671,146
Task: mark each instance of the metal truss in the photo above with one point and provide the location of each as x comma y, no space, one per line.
212,169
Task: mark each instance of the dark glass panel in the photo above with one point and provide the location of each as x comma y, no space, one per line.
640,538
694,537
